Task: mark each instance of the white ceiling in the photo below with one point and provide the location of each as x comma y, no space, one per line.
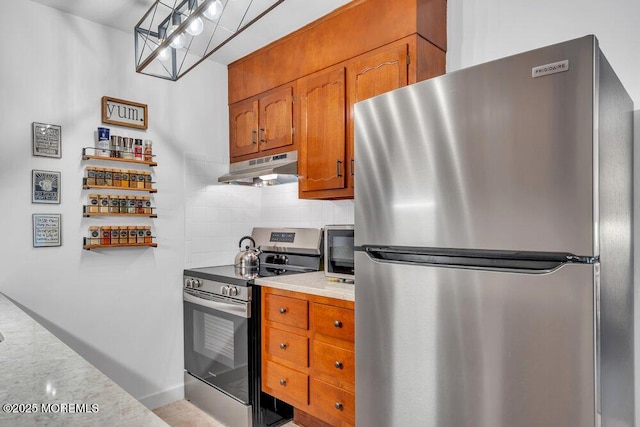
125,14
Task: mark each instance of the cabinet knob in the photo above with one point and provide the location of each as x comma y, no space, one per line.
262,139
337,324
338,168
283,382
283,310
338,406
338,365
253,137
283,345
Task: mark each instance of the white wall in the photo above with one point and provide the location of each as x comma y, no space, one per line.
120,308
483,30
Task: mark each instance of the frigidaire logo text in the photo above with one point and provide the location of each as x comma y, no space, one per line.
556,67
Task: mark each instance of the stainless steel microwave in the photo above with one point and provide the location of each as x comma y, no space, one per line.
338,251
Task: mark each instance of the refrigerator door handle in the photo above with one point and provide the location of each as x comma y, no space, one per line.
522,262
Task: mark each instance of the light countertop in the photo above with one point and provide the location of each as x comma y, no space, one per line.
315,283
45,382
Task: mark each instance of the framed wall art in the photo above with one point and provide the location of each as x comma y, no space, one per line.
47,140
124,113
47,230
45,186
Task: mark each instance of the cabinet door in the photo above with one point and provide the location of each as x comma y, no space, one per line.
322,130
243,128
276,118
371,74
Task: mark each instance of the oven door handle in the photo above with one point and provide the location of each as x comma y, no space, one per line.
235,309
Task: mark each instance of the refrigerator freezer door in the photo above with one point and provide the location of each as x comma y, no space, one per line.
443,347
487,157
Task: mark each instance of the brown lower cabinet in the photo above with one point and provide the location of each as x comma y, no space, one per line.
308,355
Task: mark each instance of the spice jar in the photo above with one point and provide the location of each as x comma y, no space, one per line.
93,203
94,235
133,234
108,177
100,177
102,144
140,236
133,179
105,232
124,178
148,238
103,203
90,175
115,235
147,180
114,147
148,154
131,204
139,205
147,205
141,180
124,235
137,149
127,149
117,178
114,204
122,201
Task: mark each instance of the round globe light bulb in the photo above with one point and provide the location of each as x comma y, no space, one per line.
178,42
195,27
214,10
164,54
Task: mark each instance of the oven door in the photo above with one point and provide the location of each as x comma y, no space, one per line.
216,342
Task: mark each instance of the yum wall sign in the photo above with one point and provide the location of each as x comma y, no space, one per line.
124,113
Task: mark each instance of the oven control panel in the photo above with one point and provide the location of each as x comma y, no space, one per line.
218,288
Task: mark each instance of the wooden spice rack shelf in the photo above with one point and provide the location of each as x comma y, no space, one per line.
120,245
106,187
142,215
86,156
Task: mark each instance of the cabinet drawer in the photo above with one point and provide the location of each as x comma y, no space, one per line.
334,361
287,310
333,321
332,402
286,384
287,346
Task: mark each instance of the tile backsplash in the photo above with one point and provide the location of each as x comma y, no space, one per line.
218,215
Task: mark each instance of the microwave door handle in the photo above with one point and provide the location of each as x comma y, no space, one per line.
240,310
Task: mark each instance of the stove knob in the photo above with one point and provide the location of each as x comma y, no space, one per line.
197,283
188,283
233,292
224,290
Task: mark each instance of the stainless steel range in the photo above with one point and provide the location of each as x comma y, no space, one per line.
222,328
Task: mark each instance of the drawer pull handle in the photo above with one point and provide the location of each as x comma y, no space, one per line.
283,382
337,324
283,345
283,310
338,406
338,365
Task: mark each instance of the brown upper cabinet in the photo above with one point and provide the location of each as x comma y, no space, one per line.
261,125
363,49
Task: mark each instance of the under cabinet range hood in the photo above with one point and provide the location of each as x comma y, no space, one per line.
264,171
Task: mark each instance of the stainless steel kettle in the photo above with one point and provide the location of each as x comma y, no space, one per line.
248,259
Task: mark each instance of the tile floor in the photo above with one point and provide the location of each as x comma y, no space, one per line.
184,414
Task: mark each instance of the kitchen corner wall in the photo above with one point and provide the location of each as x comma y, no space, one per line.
218,215
120,308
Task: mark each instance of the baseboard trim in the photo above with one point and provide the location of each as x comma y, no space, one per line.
157,400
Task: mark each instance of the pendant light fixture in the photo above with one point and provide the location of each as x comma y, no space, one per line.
175,36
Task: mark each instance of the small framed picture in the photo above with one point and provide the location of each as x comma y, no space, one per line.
45,186
47,140
47,230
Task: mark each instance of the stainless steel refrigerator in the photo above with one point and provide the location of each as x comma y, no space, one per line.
493,219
